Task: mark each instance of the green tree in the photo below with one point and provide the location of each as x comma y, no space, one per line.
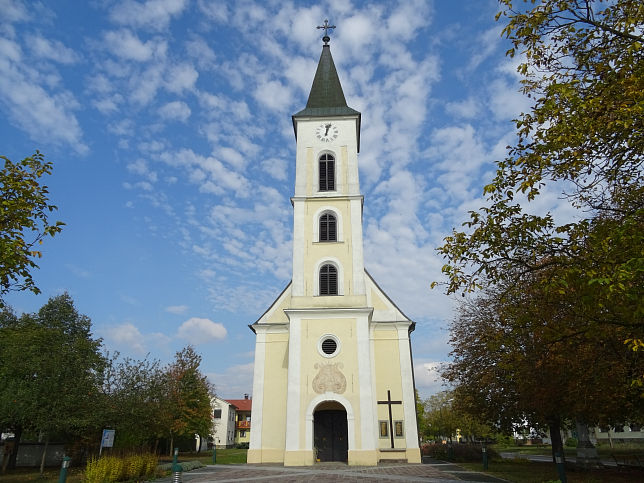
189,408
24,221
522,354
135,392
583,67
51,371
443,418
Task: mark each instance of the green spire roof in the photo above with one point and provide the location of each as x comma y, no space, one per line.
326,97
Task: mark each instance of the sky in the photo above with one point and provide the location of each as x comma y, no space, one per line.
169,126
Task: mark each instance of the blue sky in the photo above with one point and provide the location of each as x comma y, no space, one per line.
169,126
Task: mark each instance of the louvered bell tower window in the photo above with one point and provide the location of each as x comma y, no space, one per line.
327,172
328,228
328,280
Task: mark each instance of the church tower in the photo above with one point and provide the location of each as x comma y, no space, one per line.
333,376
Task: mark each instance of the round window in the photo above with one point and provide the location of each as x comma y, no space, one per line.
329,345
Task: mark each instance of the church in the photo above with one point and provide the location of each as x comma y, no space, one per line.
333,376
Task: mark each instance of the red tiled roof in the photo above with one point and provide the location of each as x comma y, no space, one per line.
241,404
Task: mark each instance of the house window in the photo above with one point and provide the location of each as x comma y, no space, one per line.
328,230
242,434
327,172
328,280
216,414
383,428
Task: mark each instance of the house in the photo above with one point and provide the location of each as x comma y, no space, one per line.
242,420
231,421
223,419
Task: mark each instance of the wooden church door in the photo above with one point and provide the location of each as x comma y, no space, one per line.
330,435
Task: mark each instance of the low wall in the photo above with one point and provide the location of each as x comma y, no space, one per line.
30,454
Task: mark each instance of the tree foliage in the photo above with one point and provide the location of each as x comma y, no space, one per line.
443,418
55,381
583,66
134,398
24,221
523,355
189,408
51,370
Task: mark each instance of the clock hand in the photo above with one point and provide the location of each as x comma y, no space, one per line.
328,126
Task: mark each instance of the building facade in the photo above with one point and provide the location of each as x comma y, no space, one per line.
333,378
243,408
223,423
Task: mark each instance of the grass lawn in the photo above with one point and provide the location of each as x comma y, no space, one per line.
224,457
75,475
21,475
524,471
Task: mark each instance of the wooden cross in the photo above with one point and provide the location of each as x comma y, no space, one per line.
389,402
326,28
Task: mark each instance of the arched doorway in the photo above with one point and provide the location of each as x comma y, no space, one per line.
330,434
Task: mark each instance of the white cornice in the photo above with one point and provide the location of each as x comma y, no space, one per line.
326,312
270,328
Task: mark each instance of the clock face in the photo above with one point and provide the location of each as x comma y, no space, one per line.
327,132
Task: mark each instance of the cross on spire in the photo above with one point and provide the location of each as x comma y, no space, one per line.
326,28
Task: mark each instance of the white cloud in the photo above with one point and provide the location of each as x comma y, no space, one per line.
468,108
198,331
232,157
127,335
175,110
275,167
427,378
181,77
234,381
43,112
52,50
505,100
152,14
13,11
273,95
124,44
177,309
199,50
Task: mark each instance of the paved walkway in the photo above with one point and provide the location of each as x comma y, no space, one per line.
331,472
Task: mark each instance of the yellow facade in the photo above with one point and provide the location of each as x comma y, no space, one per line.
329,350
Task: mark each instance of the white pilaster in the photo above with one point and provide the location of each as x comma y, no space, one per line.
258,390
407,379
293,389
356,243
298,247
365,375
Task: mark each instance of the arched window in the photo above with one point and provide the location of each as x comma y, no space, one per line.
327,172
328,280
328,230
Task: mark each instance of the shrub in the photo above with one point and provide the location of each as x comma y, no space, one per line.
571,442
459,452
112,468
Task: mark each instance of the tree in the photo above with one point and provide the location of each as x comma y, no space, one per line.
24,221
51,371
584,69
443,418
189,408
135,393
523,355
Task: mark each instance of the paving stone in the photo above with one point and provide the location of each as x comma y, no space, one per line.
335,472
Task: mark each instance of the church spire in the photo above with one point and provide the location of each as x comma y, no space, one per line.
326,97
